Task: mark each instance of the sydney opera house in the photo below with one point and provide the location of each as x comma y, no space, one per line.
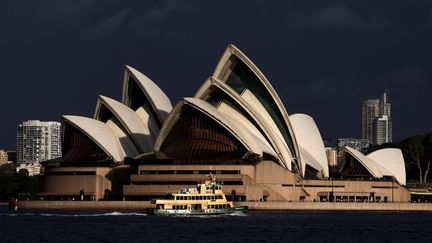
235,127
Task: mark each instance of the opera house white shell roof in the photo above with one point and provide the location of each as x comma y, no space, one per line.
251,115
159,101
99,133
383,162
237,71
121,131
310,143
134,126
391,163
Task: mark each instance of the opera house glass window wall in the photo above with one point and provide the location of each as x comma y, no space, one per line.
203,140
235,127
240,78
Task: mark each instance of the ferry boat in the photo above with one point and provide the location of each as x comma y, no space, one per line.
206,199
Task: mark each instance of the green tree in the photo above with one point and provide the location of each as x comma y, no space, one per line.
16,184
7,187
427,154
414,151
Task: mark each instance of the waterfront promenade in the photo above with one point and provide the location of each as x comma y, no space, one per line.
259,206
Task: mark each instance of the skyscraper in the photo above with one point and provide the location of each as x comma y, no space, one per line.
38,141
376,120
370,110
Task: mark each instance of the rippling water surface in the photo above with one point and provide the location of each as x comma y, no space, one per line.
255,226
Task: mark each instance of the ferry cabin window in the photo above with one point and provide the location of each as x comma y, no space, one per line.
179,206
188,197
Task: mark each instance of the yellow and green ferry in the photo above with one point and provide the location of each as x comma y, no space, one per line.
206,199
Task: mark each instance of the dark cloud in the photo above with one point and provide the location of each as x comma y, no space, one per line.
106,27
339,16
151,23
342,16
323,57
409,80
332,86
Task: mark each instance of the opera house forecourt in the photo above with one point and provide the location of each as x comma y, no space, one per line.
235,127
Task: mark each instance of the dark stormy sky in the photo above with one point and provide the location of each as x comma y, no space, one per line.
322,57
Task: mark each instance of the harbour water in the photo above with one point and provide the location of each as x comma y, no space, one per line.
37,226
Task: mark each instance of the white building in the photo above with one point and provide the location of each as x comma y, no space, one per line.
38,141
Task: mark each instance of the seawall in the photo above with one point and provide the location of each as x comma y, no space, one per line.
261,206
336,206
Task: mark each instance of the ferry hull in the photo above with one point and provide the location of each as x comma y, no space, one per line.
185,212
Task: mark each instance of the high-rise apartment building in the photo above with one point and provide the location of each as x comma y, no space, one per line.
38,141
382,130
376,120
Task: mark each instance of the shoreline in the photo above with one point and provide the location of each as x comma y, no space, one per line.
253,206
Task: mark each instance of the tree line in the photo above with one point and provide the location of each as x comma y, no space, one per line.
17,184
